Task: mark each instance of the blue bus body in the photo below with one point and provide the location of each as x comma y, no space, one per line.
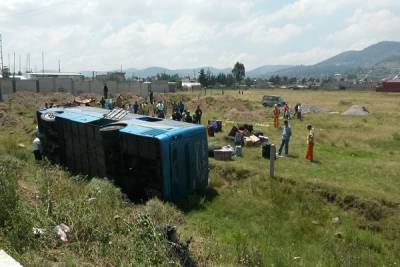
143,155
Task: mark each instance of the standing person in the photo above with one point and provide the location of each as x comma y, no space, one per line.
105,91
286,112
299,112
103,102
181,106
276,116
198,114
160,110
151,97
36,148
145,108
135,107
238,138
286,134
310,143
120,102
296,108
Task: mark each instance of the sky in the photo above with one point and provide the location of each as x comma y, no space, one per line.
105,34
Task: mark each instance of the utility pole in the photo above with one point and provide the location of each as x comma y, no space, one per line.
59,66
19,71
1,53
14,66
42,62
29,62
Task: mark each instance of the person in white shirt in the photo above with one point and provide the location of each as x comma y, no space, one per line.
36,148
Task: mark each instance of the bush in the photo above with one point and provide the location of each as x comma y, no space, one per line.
8,195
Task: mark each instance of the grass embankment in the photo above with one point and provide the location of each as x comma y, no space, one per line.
247,218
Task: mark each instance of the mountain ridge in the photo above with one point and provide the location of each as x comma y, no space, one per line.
377,60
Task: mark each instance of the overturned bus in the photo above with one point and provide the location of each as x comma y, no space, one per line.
145,156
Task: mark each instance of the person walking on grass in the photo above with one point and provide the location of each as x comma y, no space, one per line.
36,148
276,116
198,114
310,143
286,134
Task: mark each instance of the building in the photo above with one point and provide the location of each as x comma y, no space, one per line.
111,76
159,86
42,75
191,85
389,86
145,156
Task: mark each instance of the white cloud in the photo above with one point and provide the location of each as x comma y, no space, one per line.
365,28
102,34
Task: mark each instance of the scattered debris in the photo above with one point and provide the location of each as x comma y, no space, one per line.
315,222
336,220
38,231
21,145
356,110
61,231
338,235
92,199
83,101
252,140
225,153
296,258
306,108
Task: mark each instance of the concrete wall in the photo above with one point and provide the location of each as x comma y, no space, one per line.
75,87
160,86
6,89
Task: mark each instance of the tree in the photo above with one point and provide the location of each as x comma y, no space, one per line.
229,80
239,71
202,78
221,78
249,82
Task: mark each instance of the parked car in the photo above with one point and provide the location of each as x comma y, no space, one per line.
271,100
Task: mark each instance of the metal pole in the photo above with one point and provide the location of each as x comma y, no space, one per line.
1,54
272,156
42,62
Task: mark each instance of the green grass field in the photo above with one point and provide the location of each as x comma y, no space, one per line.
246,218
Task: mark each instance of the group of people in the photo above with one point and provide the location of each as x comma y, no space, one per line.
179,113
285,110
287,131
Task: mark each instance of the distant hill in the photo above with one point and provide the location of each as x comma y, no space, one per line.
377,60
265,70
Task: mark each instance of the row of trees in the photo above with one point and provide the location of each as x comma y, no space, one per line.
206,78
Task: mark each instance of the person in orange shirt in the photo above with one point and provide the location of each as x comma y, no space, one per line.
276,116
310,143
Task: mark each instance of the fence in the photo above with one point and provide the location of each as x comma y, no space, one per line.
75,87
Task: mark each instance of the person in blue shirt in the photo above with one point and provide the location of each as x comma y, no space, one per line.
286,134
135,107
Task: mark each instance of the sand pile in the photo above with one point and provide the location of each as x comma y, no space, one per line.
356,110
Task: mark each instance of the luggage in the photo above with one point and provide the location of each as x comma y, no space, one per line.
210,131
266,151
